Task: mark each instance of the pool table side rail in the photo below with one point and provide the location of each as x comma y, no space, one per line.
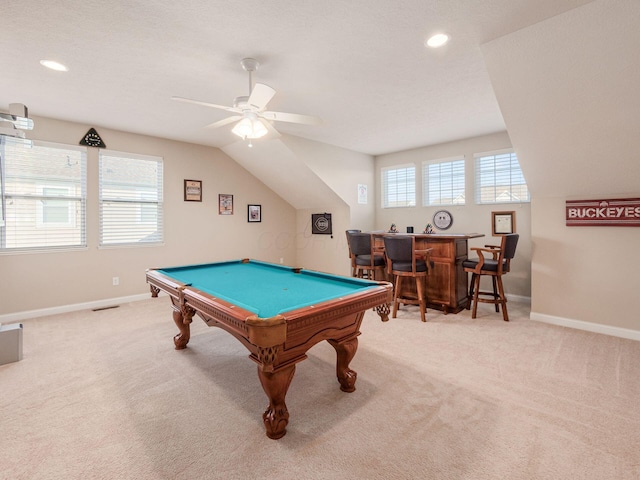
263,331
164,283
174,288
288,336
220,309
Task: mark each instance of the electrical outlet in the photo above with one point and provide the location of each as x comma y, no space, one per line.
281,260
116,281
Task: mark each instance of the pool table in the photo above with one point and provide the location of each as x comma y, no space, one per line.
278,313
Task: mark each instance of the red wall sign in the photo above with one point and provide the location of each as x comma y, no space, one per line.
619,212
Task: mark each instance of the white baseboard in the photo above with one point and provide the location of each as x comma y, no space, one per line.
18,316
588,326
539,317
519,299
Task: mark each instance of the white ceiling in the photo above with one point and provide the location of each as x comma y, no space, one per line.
360,65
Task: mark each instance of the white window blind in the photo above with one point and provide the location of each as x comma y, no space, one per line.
399,186
443,182
499,179
43,189
130,199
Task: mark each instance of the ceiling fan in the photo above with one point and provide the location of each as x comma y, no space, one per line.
253,120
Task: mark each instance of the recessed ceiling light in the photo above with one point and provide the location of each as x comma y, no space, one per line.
437,40
54,65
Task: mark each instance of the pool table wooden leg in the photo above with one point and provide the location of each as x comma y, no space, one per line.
182,316
383,311
181,339
275,385
346,350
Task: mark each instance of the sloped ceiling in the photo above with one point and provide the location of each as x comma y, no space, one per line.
281,170
569,92
360,65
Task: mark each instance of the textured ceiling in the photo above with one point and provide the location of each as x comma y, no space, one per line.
360,65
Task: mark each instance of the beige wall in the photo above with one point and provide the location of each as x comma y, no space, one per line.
467,218
194,232
325,253
587,274
570,102
567,287
342,170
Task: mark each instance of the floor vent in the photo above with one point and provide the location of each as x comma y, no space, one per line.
105,308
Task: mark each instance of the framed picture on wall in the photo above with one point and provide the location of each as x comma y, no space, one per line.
503,223
254,213
225,204
192,191
321,224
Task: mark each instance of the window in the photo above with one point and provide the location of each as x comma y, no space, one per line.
443,182
499,178
399,186
130,199
43,188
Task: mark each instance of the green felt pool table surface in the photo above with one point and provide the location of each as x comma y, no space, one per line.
263,288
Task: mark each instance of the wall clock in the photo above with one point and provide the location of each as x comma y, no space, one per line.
92,139
442,219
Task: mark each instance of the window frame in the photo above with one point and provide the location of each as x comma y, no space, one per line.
33,237
155,198
458,175
514,172
408,192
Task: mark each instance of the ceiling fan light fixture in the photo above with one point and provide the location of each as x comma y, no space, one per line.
243,128
259,130
250,128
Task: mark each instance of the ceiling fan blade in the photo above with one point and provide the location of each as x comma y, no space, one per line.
224,121
291,117
260,96
206,104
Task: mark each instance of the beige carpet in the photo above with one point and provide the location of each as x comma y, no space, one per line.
103,395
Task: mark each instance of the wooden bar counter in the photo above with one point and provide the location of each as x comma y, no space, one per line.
447,281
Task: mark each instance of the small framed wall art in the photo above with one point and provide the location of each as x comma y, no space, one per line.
321,224
503,223
254,213
225,204
192,191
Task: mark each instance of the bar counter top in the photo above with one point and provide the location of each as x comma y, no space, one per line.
434,235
